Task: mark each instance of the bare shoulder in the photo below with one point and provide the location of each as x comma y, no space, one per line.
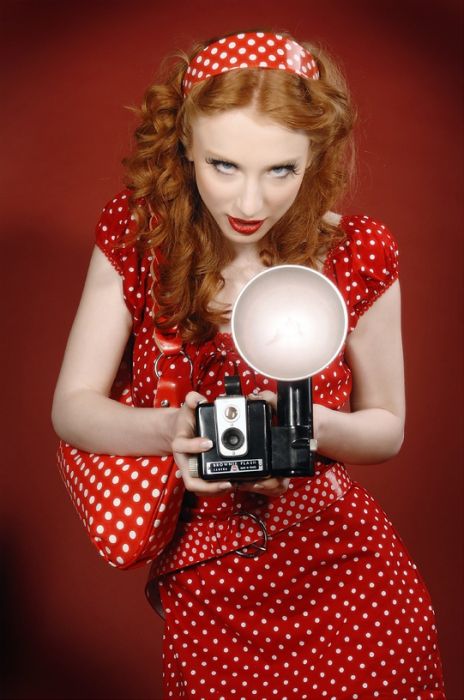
331,217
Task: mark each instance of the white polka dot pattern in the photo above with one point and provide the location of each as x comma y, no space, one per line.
129,505
362,267
213,527
130,513
250,50
335,609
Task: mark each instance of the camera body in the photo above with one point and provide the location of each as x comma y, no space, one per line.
246,445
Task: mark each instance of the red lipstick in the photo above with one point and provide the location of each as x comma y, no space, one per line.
243,226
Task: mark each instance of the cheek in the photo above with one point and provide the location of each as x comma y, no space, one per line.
212,192
284,198
206,197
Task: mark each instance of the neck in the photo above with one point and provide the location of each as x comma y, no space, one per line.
246,259
244,254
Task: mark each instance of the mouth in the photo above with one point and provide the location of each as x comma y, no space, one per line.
245,227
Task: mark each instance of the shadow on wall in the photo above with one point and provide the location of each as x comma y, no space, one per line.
32,664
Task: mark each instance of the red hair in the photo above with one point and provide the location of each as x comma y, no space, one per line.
162,181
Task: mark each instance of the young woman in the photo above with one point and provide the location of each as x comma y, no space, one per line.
274,588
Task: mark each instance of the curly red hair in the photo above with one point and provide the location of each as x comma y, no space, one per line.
171,217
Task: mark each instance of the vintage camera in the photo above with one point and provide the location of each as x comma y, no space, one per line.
246,444
288,323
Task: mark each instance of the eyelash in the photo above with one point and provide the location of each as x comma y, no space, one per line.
289,167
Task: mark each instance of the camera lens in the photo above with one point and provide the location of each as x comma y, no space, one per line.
232,439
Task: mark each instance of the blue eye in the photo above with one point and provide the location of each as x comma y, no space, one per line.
227,168
281,171
222,166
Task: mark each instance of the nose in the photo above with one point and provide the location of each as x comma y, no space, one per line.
250,199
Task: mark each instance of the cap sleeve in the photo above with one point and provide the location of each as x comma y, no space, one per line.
114,226
365,264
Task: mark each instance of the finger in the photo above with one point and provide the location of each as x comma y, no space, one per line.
188,445
186,419
193,398
270,483
269,396
267,487
206,488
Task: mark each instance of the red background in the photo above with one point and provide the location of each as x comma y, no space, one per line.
74,627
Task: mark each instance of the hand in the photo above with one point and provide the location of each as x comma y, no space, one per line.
272,486
278,486
323,428
184,444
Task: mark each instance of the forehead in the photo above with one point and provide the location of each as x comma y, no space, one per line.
241,134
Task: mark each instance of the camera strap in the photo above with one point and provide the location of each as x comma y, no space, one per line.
174,378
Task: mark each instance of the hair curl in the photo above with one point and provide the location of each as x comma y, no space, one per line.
171,218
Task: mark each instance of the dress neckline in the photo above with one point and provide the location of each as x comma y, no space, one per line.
228,335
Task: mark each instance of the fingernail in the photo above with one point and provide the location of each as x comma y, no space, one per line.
206,444
200,401
225,487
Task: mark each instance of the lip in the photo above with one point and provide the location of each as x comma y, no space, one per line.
245,227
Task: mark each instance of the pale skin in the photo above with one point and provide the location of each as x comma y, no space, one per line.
249,180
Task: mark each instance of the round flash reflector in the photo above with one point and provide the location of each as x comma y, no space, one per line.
289,322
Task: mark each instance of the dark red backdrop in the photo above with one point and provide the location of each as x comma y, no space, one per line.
76,628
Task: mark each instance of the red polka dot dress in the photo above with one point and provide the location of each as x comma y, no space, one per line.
307,595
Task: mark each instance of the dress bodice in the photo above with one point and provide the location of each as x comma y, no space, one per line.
362,266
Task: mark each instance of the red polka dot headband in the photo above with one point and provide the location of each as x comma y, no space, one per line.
251,50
